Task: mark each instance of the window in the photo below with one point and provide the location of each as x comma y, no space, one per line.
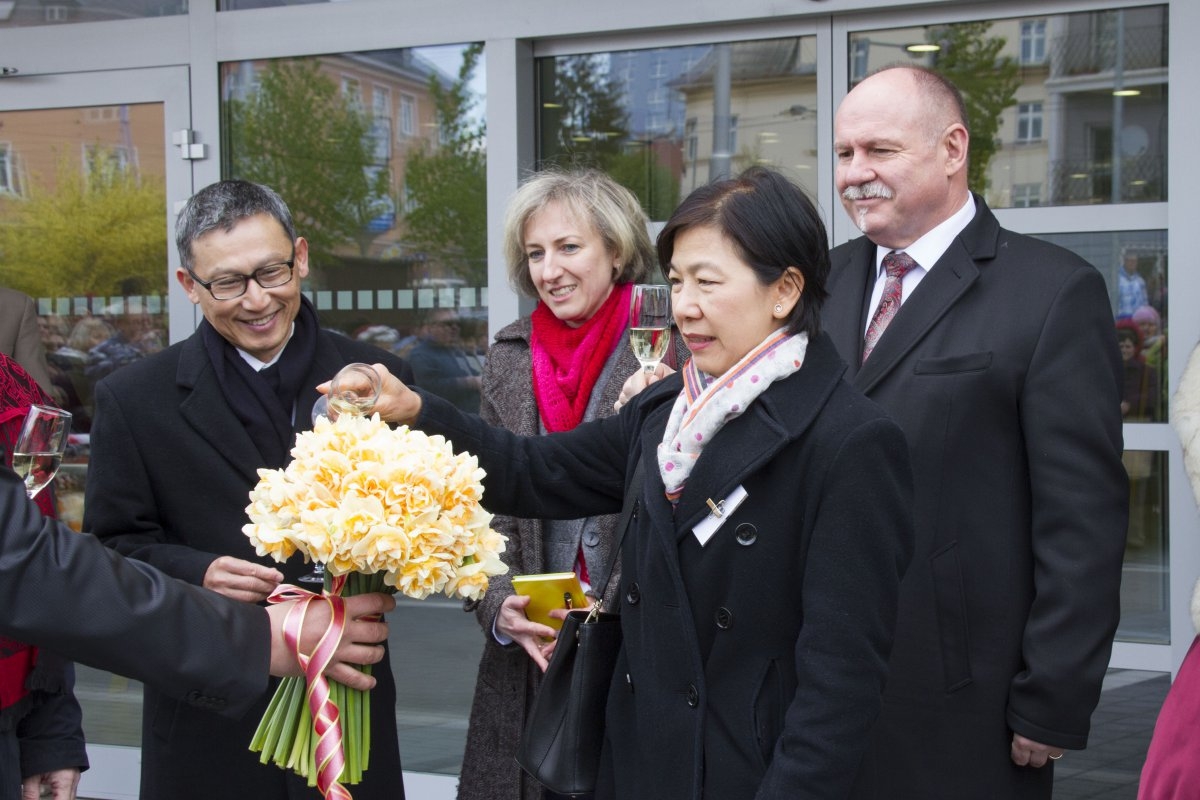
1105,149
107,159
659,140
1029,122
381,101
352,91
1033,41
860,53
8,182
380,217
99,114
408,115
1026,195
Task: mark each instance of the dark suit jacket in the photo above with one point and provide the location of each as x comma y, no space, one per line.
752,666
70,594
170,476
20,337
1002,369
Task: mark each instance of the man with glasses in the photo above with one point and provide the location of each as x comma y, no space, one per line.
176,443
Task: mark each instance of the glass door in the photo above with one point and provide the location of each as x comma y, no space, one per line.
89,178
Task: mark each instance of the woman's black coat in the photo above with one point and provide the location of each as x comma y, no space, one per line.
753,665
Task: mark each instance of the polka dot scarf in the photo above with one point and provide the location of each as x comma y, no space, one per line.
707,403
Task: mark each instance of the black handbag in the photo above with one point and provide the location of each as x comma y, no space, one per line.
560,745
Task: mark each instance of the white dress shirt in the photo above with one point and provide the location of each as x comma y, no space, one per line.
925,251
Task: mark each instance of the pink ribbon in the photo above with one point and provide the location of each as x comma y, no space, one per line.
329,756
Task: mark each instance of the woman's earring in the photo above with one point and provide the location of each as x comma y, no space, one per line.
778,308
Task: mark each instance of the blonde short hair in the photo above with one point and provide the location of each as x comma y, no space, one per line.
593,197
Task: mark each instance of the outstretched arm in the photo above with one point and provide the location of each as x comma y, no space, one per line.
219,651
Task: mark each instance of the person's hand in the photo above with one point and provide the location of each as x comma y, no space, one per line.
397,404
360,641
60,785
639,381
241,580
1028,753
512,623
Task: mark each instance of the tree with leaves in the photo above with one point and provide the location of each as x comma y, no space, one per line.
446,181
300,135
585,124
655,184
988,81
100,232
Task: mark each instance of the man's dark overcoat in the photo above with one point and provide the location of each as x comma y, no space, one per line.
752,666
171,472
1002,369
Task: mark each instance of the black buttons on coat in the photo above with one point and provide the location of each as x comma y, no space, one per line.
693,696
724,618
746,534
634,595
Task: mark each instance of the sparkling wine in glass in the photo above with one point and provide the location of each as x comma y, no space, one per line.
353,391
650,323
40,447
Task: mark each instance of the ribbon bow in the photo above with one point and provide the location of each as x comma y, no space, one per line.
329,756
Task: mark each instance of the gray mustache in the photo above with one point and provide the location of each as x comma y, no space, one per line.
867,191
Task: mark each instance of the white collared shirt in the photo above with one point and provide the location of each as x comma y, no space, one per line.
925,251
259,366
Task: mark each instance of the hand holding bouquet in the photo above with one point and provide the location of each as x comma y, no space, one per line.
385,509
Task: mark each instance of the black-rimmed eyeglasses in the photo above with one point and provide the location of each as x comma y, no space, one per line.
231,287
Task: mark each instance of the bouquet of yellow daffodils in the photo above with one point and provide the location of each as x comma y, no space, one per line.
384,509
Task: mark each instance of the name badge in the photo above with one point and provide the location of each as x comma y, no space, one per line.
720,512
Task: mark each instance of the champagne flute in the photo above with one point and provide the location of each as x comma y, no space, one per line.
650,323
353,391
40,447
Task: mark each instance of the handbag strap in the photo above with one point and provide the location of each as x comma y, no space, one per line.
632,492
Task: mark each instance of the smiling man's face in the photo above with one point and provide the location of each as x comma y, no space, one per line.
260,321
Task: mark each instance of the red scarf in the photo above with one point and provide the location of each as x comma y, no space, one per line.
18,391
568,361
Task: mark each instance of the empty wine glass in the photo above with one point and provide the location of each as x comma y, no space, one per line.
353,391
650,323
40,447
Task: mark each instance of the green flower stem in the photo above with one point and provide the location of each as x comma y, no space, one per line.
297,711
267,734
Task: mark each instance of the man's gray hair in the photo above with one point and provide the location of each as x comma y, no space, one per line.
223,205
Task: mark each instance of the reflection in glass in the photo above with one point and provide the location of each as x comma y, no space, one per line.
241,5
665,121
25,13
1064,109
83,202
85,237
381,157
1134,265
1144,582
